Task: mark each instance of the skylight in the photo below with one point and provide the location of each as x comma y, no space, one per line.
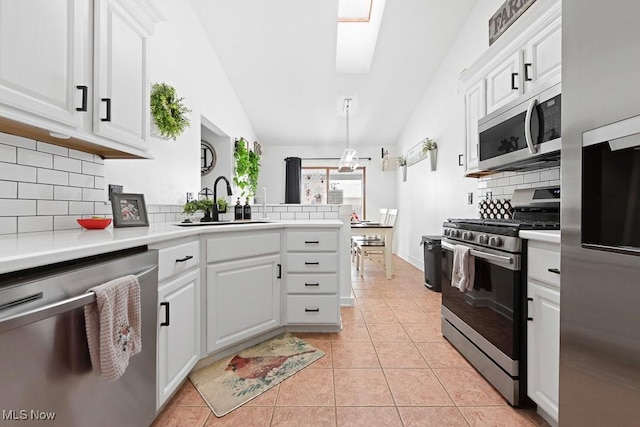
358,27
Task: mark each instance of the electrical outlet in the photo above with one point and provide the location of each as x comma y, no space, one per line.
469,198
114,189
488,195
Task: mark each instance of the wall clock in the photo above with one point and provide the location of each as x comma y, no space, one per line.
207,157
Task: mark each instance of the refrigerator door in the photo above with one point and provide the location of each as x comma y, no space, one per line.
600,290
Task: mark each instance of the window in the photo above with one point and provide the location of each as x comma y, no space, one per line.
325,185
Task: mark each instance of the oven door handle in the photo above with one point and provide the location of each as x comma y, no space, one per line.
483,255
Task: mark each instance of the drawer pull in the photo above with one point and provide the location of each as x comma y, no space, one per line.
513,81
311,263
311,310
166,314
187,258
279,271
312,284
529,299
310,242
554,270
530,319
108,102
84,90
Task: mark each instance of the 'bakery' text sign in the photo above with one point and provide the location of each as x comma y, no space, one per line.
505,16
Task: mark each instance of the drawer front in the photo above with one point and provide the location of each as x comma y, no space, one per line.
223,248
312,262
540,261
312,241
312,283
176,259
320,309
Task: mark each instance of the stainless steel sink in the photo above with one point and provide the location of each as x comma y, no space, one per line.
236,222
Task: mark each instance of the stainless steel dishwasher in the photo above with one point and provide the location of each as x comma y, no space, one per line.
45,369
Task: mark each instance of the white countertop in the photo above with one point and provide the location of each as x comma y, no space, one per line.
27,250
550,236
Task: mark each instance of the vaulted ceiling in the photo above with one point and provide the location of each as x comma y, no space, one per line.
279,56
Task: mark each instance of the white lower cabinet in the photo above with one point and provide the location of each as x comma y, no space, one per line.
244,293
179,333
543,328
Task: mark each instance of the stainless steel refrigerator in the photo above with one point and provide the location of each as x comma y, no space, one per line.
600,290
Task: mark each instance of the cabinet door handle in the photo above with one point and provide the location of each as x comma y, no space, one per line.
279,271
85,92
311,263
460,160
312,284
309,242
187,258
311,310
529,299
166,314
513,81
553,270
108,102
527,77
529,319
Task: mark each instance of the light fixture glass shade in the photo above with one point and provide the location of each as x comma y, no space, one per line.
349,160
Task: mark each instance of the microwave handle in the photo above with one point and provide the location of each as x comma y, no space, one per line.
527,126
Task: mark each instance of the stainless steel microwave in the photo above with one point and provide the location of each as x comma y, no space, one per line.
523,135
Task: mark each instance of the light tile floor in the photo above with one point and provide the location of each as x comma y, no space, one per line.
390,366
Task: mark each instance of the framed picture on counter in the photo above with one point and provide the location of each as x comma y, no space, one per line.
129,210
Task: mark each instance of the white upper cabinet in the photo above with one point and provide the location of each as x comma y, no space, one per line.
475,107
77,68
543,57
504,82
42,62
121,98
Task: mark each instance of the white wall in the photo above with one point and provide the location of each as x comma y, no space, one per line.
181,55
428,198
380,186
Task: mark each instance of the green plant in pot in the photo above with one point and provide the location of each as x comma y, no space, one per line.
168,111
203,205
222,205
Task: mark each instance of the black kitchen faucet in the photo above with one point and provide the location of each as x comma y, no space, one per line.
214,210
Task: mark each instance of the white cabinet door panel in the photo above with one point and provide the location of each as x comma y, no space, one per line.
501,81
41,57
544,53
475,105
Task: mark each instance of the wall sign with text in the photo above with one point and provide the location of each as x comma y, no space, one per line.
506,15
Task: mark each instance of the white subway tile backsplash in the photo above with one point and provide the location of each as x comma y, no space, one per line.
81,155
532,177
90,168
165,208
8,189
316,215
102,208
98,182
52,149
79,180
35,191
502,182
550,175
66,222
309,209
52,207
50,176
81,208
17,141
29,224
17,207
556,182
294,209
332,215
93,195
301,215
13,172
98,159
528,185
324,208
34,158
287,215
8,225
67,164
153,208
67,193
8,153
280,208
273,215
516,179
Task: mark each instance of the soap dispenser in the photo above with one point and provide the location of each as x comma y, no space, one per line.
237,210
247,209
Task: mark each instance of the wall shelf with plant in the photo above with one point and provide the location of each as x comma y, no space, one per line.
168,112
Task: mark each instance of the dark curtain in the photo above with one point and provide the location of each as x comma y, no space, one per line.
293,180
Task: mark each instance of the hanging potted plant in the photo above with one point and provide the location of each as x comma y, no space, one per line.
247,169
402,162
168,112
429,146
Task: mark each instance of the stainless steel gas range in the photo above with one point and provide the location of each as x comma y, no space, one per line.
487,324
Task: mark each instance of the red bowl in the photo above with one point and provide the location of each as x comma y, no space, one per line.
94,223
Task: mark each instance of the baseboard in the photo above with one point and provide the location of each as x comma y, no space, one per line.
347,301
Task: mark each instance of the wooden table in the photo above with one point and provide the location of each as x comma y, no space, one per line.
377,229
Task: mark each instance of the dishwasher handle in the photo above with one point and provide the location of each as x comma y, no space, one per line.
56,308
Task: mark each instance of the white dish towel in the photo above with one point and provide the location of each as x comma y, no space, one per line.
463,274
113,326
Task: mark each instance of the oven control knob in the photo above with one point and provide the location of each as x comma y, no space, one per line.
495,241
467,235
484,239
446,231
455,233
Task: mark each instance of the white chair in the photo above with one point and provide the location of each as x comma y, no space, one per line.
382,218
367,248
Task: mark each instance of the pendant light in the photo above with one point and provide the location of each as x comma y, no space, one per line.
349,160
